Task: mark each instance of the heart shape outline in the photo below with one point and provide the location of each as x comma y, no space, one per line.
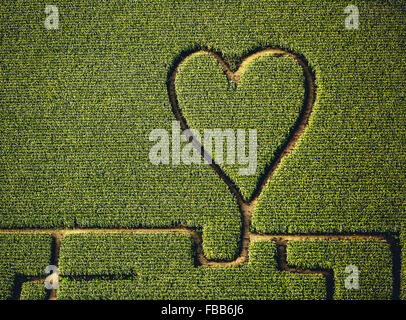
234,77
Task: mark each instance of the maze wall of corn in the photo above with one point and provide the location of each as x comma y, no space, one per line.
84,83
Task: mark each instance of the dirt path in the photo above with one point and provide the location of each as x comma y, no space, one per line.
197,238
280,240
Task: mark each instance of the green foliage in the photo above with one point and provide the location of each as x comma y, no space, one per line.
77,105
347,173
403,264
33,291
372,258
219,239
22,255
160,266
124,254
268,98
6,285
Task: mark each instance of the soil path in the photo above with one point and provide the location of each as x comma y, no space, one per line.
280,242
280,239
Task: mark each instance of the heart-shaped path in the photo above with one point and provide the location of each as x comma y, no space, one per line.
247,206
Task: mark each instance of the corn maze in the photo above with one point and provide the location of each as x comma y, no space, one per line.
110,168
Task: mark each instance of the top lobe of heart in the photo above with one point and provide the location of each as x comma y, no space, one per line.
266,93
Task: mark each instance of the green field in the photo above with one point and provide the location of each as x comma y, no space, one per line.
23,258
373,259
77,106
161,266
